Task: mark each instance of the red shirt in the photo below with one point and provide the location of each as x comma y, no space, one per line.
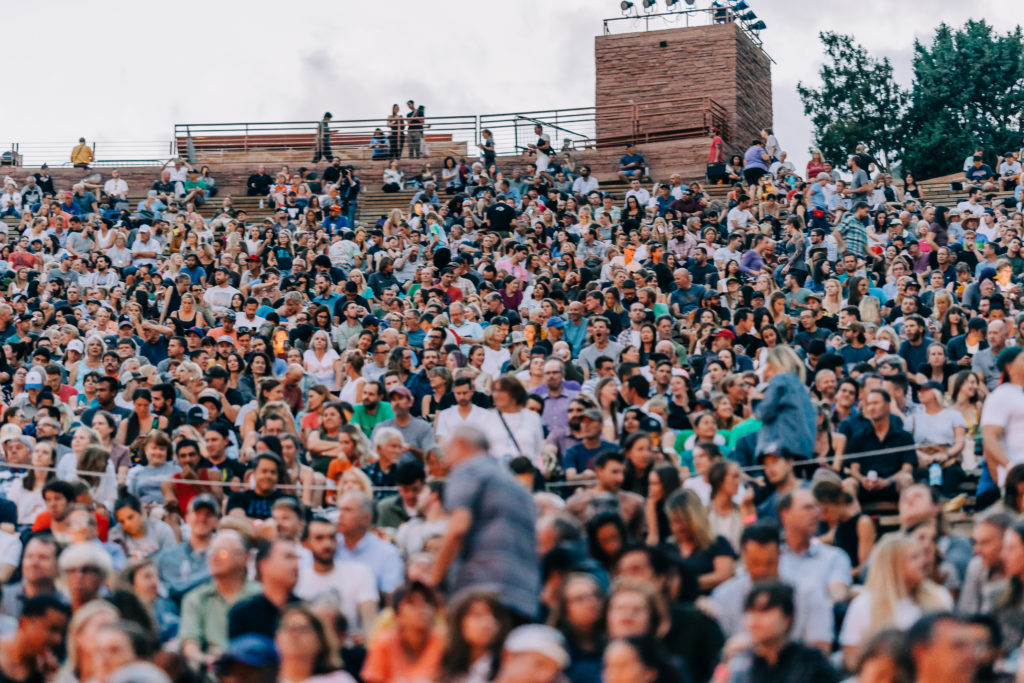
717,152
22,259
44,521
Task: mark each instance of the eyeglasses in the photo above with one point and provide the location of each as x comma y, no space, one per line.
83,570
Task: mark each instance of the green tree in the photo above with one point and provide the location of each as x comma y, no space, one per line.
858,102
968,90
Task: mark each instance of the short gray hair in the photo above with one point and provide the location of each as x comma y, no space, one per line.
383,435
85,555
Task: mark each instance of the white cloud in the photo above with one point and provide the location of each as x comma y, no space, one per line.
130,70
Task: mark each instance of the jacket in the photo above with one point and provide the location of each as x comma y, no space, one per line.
789,418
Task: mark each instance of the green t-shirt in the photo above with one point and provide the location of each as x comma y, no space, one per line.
367,422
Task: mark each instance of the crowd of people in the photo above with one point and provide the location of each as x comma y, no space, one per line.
520,429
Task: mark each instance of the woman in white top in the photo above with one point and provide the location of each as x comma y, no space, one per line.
103,236
322,361
120,255
495,355
19,285
476,359
896,593
943,429
393,177
520,431
27,492
352,391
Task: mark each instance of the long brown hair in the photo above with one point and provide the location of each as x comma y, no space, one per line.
456,659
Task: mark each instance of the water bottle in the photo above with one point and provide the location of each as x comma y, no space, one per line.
935,474
261,202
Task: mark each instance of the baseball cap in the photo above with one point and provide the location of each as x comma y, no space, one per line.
225,339
197,414
1007,356
252,649
76,345
723,332
822,176
593,414
539,639
370,320
230,315
554,322
402,390
196,331
34,380
144,228
937,386
10,432
205,500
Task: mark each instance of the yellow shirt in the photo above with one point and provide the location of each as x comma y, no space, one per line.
81,154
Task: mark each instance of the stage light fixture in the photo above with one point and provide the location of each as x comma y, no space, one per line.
758,26
740,6
748,16
625,5
648,4
670,3
691,2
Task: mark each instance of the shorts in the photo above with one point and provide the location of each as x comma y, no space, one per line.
542,162
752,175
631,172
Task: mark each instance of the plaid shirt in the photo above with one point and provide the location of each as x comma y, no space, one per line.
499,552
855,234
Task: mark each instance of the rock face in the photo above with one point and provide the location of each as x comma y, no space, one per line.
640,76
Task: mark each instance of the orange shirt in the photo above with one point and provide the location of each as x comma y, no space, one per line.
387,661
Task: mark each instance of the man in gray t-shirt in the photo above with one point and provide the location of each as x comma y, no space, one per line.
490,542
860,187
416,433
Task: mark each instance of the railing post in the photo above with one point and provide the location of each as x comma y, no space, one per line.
245,139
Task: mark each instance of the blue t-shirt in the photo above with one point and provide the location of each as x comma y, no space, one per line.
688,300
752,158
578,457
631,159
818,196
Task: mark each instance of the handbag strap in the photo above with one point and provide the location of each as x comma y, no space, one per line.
510,434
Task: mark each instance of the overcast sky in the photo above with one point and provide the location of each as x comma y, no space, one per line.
129,72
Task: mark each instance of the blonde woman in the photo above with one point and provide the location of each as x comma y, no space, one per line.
870,310
896,593
83,659
708,557
832,302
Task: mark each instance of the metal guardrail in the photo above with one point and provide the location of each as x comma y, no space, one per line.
105,152
300,135
718,13
569,128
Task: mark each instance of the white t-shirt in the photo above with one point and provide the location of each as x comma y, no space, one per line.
149,245
493,360
739,217
528,430
937,428
350,583
219,298
449,420
1004,408
858,618
10,549
322,369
